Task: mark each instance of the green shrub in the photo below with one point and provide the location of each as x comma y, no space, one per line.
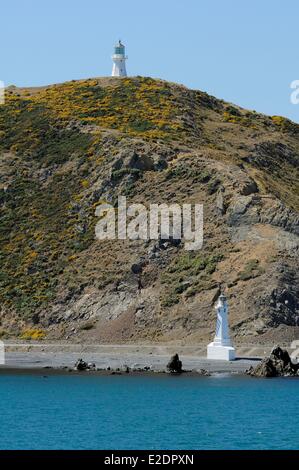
251,270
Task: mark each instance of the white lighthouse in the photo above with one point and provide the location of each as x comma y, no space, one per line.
221,348
119,61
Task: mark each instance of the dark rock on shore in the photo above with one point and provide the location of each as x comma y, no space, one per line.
82,365
203,372
278,364
175,365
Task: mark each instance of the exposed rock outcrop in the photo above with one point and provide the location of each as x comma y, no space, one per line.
175,365
278,364
82,365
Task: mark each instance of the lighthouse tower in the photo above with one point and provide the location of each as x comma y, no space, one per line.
119,61
221,348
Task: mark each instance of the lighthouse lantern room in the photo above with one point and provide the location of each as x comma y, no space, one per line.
119,61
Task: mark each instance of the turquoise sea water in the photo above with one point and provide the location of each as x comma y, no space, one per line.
129,412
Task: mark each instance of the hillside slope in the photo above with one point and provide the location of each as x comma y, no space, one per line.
66,148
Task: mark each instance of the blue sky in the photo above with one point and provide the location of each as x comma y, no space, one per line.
244,52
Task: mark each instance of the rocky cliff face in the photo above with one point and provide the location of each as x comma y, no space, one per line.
65,149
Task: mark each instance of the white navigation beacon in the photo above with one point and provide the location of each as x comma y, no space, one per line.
119,61
221,348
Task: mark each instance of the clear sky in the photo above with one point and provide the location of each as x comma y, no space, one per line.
245,52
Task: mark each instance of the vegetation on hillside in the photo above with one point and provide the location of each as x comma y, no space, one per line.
53,148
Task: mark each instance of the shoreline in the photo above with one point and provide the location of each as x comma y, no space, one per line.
116,360
45,372
48,371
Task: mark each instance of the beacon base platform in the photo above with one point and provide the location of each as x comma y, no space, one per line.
222,353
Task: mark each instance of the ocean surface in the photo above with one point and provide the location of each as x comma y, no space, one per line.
163,412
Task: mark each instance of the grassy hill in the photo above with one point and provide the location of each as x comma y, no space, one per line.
66,148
